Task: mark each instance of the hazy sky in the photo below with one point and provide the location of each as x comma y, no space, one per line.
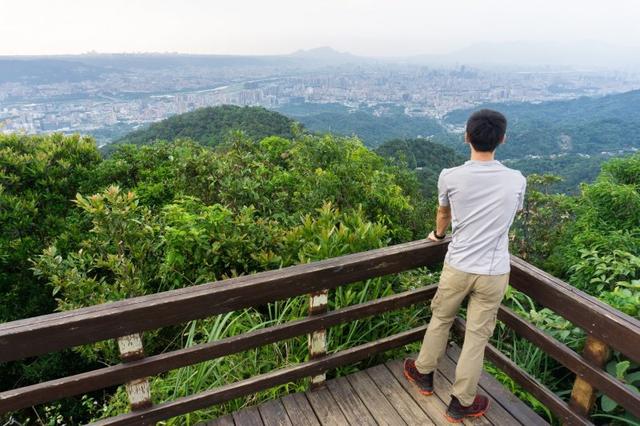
373,28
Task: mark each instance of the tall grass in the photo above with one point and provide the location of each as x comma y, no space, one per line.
211,374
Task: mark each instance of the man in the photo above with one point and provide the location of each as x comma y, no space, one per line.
480,199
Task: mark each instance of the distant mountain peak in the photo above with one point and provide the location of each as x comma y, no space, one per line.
325,53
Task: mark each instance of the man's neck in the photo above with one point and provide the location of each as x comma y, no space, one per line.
482,156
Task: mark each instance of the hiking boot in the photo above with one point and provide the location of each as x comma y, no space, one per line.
457,412
424,381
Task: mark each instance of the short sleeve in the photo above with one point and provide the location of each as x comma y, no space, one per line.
443,191
521,196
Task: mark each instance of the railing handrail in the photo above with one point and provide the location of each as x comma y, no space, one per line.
115,320
617,329
111,320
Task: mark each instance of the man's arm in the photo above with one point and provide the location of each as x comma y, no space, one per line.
443,220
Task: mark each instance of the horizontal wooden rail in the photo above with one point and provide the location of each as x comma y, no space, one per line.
618,330
264,381
598,378
34,336
528,383
86,382
67,329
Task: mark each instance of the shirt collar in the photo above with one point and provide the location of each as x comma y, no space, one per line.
482,163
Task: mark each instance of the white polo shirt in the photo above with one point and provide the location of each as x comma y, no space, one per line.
484,197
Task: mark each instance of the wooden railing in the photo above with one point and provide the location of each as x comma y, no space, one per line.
124,320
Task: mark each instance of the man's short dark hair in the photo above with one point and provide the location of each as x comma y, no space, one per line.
486,129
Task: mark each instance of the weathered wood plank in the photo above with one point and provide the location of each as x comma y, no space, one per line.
63,330
264,381
518,409
585,370
249,416
530,384
369,393
350,403
442,381
220,421
299,410
274,414
618,330
583,395
317,339
496,413
433,405
28,396
396,395
326,408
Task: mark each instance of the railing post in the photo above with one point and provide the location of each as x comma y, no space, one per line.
318,339
583,395
138,391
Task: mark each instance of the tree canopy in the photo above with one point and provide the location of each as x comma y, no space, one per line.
212,125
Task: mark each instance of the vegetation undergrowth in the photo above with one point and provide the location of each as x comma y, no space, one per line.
79,229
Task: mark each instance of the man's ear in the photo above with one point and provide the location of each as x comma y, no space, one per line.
466,137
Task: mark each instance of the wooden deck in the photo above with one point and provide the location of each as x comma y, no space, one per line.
381,395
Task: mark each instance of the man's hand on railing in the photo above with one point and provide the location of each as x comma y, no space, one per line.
433,237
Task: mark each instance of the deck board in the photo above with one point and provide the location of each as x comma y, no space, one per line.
326,408
220,421
509,401
381,395
249,416
274,414
299,409
496,414
376,402
350,403
431,404
398,397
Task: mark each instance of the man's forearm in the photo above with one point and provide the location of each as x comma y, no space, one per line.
443,220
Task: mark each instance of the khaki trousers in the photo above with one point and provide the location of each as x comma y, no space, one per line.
485,295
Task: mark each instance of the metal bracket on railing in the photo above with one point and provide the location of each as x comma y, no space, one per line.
138,391
318,339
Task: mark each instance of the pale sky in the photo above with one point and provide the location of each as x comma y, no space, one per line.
371,28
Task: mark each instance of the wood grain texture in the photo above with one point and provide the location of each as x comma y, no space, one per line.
442,380
587,368
377,404
97,379
273,413
257,383
110,320
528,383
583,394
618,330
518,409
350,403
220,421
432,403
249,416
326,408
299,410
402,402
496,414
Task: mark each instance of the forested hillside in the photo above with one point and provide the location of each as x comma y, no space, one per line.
584,125
427,158
374,128
210,126
167,215
78,229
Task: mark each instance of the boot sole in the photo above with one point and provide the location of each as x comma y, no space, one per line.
412,380
460,420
